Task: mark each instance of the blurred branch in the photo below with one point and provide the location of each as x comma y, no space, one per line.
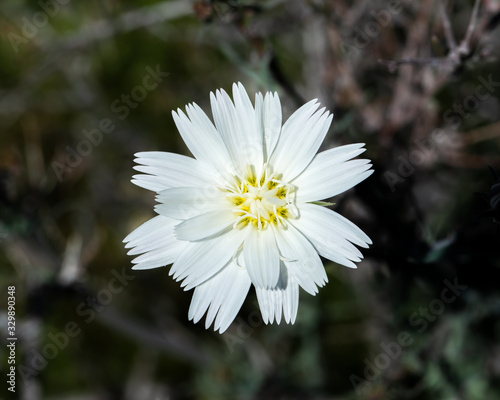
71,265
170,342
448,32
392,65
487,132
412,90
464,48
456,54
404,103
125,22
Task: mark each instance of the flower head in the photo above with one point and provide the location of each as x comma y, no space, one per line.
245,210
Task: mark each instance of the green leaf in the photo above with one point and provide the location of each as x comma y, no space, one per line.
322,203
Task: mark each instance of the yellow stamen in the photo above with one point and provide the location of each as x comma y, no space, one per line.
261,200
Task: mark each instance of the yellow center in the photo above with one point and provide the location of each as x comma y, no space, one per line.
261,200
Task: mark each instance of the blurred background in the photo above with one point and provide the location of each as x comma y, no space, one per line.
85,85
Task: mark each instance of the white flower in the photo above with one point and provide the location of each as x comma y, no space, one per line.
242,211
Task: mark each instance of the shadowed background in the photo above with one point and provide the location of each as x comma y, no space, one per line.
85,85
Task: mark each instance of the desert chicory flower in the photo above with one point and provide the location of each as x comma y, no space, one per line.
246,209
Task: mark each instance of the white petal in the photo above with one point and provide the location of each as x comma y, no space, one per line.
262,257
146,236
160,257
205,225
291,300
329,232
330,249
336,156
272,118
199,261
335,247
300,138
329,175
156,239
187,202
222,295
168,170
202,139
251,148
259,104
301,259
147,228
238,127
283,298
269,304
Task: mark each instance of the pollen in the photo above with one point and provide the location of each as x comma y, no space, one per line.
261,199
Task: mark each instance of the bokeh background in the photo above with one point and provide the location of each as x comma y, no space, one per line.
86,84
